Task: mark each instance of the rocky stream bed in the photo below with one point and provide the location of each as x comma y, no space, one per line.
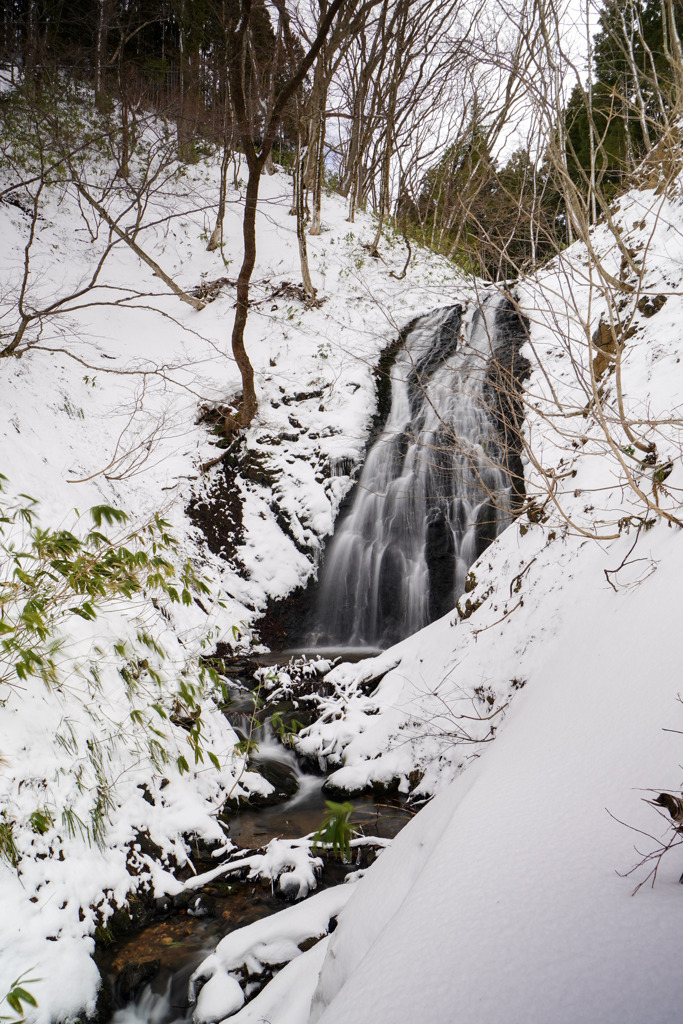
147,954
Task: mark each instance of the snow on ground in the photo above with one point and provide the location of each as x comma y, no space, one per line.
511,895
553,682
105,408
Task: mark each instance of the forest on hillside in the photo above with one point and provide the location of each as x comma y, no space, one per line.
493,135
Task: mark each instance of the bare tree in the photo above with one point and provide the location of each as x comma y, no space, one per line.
256,156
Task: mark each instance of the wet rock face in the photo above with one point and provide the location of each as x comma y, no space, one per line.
440,562
505,375
454,521
133,977
217,513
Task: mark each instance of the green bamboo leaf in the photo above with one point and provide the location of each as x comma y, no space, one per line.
108,514
25,996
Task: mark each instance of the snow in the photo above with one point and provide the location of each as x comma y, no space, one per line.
543,715
104,409
220,997
271,942
507,883
286,861
290,992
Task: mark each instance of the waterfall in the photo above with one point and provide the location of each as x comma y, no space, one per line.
435,488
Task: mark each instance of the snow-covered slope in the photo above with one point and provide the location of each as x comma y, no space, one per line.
104,408
505,899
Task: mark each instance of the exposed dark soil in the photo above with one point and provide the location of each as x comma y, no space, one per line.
217,513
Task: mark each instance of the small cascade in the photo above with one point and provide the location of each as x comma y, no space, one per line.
435,488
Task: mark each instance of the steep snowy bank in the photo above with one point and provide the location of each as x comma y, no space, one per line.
502,897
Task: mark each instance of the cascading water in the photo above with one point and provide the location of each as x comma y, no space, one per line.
435,488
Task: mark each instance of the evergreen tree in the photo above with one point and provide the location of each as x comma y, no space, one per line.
615,121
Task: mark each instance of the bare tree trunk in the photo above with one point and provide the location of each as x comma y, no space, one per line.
124,137
256,162
672,49
101,54
642,111
249,404
319,168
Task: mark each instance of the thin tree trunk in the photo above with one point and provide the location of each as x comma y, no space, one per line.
248,405
100,55
256,162
217,234
300,205
140,253
319,169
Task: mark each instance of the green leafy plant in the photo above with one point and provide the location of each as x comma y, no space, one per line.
41,821
48,577
286,730
337,830
18,995
8,846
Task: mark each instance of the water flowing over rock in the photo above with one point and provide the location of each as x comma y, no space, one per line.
436,486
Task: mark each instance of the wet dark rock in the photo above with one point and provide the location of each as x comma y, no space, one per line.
505,374
163,906
133,977
280,775
104,1006
651,304
303,396
136,915
201,906
205,849
380,789
217,512
226,664
146,846
440,559
254,469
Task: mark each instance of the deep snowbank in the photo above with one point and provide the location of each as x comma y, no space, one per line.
501,900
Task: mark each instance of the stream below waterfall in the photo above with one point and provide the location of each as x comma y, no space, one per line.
180,942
